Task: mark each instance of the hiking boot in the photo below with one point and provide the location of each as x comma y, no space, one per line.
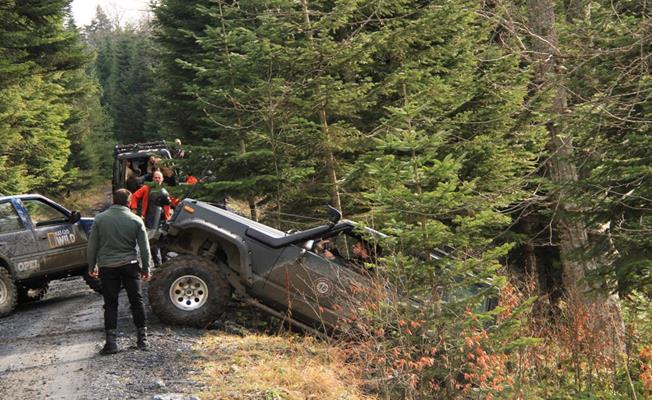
110,347
141,341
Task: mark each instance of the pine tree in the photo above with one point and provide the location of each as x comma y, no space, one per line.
177,24
124,67
451,153
38,52
282,119
610,80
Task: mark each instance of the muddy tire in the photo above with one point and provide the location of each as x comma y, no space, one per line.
190,291
93,283
32,293
8,293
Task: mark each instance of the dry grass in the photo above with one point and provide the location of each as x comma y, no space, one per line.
273,367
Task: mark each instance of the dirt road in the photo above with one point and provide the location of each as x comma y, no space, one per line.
49,349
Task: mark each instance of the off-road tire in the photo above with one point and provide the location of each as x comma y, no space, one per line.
32,293
217,296
93,283
8,293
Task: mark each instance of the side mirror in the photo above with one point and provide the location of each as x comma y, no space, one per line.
74,217
334,215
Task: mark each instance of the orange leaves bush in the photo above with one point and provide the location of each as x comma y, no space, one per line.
646,368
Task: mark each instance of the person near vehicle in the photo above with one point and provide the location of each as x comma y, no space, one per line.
363,254
325,248
190,179
132,170
112,255
169,177
152,164
154,201
360,250
134,182
154,205
178,151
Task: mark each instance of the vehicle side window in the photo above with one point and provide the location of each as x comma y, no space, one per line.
342,243
351,249
43,214
9,219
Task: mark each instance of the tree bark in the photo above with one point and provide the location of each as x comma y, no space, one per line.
572,232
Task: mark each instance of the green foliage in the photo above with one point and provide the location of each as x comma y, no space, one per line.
427,119
611,121
176,110
42,83
124,66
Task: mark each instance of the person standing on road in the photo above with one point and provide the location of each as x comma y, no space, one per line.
112,248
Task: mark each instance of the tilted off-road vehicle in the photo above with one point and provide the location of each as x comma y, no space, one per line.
40,241
220,254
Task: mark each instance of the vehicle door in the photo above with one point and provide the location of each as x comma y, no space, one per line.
62,244
17,242
318,288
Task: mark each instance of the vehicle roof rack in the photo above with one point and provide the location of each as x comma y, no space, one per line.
126,148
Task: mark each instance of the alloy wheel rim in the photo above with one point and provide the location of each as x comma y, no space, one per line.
3,292
188,293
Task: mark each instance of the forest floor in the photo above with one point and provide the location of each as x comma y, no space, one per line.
49,349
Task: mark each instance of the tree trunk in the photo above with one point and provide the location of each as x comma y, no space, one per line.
572,232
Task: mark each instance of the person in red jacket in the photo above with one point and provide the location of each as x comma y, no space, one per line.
153,199
155,205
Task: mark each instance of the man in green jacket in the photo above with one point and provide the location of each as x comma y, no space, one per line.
112,248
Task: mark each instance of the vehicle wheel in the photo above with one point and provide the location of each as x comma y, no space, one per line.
189,290
29,294
93,283
8,293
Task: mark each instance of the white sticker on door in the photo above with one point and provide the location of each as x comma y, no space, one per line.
62,237
27,266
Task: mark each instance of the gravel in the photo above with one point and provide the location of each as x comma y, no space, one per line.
49,349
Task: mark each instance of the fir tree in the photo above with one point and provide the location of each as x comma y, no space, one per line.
39,53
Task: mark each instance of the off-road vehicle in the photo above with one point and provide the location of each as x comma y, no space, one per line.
218,254
135,156
40,241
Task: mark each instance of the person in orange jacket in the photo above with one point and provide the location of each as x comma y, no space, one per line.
152,199
189,180
155,204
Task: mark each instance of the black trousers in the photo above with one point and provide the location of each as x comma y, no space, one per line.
112,280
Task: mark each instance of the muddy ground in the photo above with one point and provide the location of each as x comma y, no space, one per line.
49,349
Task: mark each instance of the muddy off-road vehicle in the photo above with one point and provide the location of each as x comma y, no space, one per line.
40,241
135,156
217,255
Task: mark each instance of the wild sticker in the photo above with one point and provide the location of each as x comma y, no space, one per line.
62,237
